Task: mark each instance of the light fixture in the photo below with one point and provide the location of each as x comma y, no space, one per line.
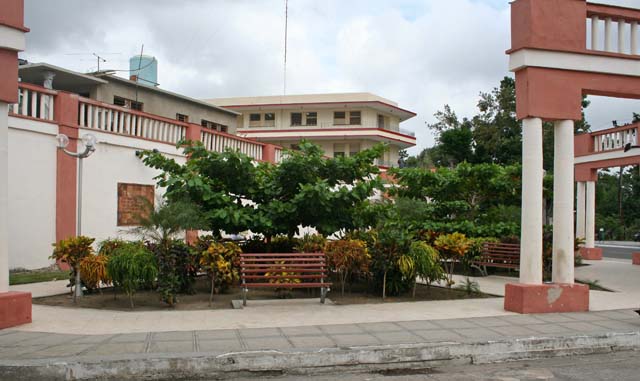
89,140
63,141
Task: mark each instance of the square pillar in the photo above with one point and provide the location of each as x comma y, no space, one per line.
589,251
563,234
580,209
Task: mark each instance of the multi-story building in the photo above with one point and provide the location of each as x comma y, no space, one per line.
342,124
131,94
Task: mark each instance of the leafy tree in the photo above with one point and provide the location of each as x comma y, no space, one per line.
347,256
72,251
452,248
426,262
132,267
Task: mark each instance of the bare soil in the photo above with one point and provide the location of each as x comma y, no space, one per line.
149,300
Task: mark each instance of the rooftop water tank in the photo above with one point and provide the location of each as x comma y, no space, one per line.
145,69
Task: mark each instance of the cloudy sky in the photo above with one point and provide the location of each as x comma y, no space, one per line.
421,53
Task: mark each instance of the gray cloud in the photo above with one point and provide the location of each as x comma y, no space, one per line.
422,54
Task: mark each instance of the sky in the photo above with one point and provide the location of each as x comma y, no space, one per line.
422,54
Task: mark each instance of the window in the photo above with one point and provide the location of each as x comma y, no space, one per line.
354,148
255,120
118,101
338,150
296,119
207,124
311,118
269,119
339,117
354,118
380,121
128,103
182,117
214,126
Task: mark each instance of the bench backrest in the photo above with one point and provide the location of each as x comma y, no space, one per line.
501,250
283,267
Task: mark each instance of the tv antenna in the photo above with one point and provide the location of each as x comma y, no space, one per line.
99,57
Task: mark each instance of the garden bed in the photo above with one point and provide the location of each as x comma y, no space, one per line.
149,300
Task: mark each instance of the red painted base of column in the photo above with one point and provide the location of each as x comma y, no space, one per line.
15,309
635,258
591,253
546,298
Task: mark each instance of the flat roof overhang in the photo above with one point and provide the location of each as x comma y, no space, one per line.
376,105
65,80
376,134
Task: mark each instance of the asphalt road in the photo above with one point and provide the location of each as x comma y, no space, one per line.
621,366
618,252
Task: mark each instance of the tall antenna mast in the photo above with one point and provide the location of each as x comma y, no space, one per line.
286,22
99,59
138,72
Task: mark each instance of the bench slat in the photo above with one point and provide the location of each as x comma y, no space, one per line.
287,285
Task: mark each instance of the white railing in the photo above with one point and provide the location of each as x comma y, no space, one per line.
218,142
108,118
613,30
34,102
615,139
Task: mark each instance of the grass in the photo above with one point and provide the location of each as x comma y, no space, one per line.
39,276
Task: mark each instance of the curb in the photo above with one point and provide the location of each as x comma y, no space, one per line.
271,363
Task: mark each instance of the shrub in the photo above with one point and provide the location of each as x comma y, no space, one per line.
72,251
310,243
282,244
93,271
254,245
221,262
392,242
132,267
426,263
347,256
452,248
110,245
177,269
475,251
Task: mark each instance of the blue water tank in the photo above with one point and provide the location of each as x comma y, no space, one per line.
145,68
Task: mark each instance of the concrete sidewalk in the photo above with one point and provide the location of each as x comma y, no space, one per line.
191,354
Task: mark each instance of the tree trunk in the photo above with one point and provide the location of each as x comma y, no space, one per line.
415,284
131,300
213,281
343,278
384,285
77,291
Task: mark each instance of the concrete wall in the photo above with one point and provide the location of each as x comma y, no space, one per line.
115,162
32,192
391,156
163,104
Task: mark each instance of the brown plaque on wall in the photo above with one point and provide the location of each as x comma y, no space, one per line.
134,201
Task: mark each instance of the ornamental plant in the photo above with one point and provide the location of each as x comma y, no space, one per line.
72,251
93,271
131,268
346,257
426,263
221,261
452,248
311,243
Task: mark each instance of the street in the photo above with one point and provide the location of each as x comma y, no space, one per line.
618,252
613,366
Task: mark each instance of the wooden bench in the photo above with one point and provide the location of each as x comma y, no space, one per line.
496,254
283,270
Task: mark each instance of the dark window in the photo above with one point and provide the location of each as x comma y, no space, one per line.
296,118
136,105
182,117
354,117
380,121
207,124
119,101
223,128
255,117
339,117
269,116
312,119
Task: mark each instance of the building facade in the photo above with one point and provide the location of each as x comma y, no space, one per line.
342,124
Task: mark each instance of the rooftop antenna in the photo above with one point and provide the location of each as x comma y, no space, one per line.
286,21
138,72
99,59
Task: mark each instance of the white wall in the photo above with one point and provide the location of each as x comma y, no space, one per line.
32,192
114,162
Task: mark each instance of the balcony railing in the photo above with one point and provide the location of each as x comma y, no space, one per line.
34,102
614,138
109,118
218,142
330,125
613,29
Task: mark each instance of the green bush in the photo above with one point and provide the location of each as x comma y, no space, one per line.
132,267
72,251
310,243
426,263
177,269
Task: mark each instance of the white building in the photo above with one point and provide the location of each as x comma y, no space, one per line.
342,124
